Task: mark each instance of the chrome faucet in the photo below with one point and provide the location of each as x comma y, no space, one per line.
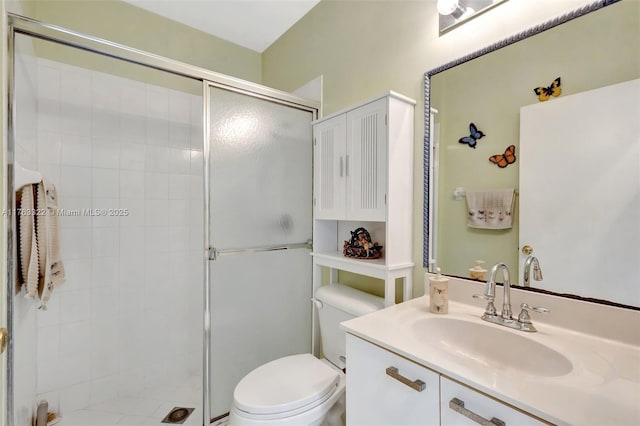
490,313
506,301
537,272
506,317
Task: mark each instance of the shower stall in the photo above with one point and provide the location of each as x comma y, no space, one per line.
184,218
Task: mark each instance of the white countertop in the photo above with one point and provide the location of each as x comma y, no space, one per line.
603,387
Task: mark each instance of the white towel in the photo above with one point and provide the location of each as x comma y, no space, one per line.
491,209
41,268
50,262
29,268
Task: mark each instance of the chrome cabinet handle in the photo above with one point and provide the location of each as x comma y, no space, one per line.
457,405
417,385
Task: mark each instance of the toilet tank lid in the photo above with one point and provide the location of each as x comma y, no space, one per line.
348,299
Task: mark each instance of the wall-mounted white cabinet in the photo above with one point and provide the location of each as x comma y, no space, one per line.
350,164
384,388
329,176
363,177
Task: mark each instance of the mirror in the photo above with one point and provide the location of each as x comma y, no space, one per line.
590,48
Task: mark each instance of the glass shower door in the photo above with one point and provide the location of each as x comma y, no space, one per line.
260,226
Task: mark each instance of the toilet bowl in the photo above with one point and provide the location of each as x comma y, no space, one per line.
303,390
294,390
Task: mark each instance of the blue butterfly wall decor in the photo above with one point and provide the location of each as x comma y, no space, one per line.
474,135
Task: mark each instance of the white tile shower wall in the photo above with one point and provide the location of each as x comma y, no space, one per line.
129,314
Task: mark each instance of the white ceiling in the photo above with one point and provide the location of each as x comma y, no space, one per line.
254,24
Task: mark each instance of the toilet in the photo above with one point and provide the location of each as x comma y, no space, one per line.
303,390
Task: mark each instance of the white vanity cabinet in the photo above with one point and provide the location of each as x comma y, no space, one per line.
379,396
363,177
385,389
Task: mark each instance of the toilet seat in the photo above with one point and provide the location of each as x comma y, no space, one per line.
286,386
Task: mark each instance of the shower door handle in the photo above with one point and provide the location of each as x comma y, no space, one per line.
214,253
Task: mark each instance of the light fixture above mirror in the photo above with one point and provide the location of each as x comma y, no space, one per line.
452,13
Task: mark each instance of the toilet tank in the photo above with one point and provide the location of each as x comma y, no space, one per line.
341,303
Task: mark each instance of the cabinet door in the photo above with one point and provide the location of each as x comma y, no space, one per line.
460,405
376,398
330,168
366,162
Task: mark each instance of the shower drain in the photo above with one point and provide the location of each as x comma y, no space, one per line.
177,415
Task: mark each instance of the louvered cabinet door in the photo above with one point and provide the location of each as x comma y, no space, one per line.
366,162
330,168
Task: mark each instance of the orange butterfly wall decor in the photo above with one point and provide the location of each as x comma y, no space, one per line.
503,160
545,93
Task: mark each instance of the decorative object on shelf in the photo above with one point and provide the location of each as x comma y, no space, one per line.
503,160
361,246
474,135
545,93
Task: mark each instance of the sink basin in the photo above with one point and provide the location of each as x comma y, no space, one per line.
491,345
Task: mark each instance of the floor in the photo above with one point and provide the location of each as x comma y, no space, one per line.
148,408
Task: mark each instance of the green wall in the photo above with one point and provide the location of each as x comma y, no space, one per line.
364,48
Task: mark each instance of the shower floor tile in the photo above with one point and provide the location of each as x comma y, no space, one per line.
131,406
90,417
145,409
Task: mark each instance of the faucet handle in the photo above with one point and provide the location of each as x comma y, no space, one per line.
483,296
490,309
524,320
540,310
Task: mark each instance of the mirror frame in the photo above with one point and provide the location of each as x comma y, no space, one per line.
591,7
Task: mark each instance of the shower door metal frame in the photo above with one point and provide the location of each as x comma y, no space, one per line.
17,24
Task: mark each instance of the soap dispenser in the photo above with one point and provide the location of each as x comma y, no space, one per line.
439,294
478,272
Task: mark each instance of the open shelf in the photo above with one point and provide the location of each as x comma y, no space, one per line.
374,267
